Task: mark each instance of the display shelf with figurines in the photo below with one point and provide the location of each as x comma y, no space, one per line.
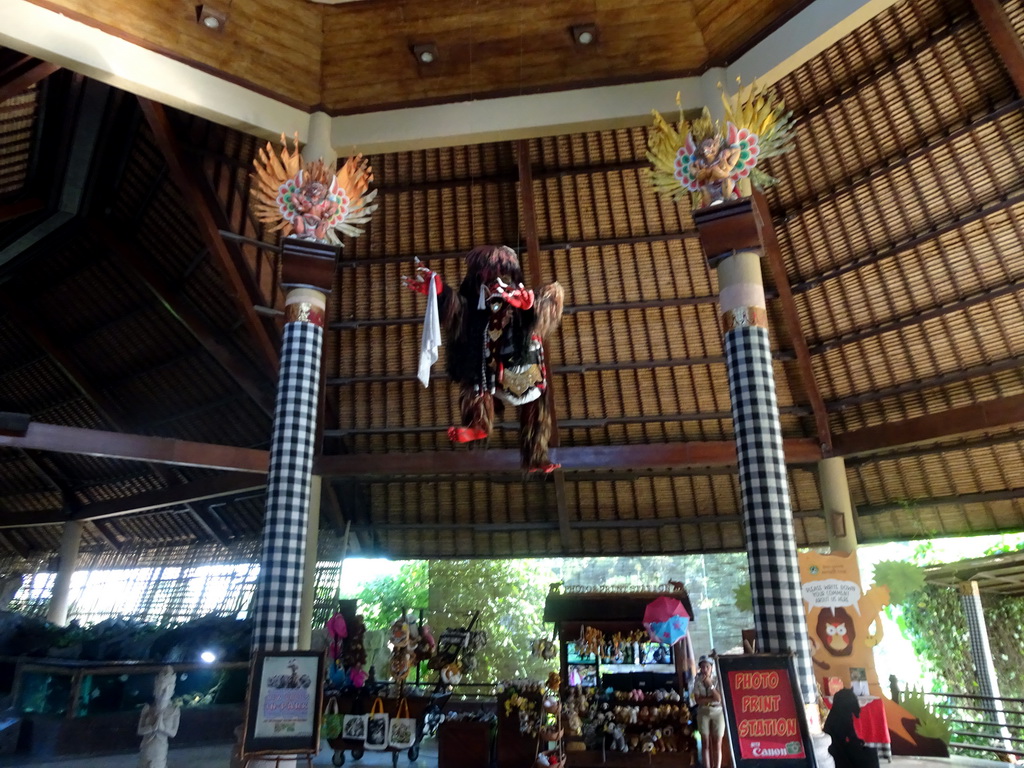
625,697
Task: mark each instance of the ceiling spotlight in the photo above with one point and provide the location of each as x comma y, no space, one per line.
425,53
584,34
211,18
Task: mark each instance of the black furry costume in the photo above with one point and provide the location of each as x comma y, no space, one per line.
495,329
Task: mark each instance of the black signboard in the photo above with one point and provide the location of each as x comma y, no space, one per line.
764,712
284,703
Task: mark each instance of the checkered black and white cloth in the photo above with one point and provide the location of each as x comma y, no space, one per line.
764,489
981,650
276,608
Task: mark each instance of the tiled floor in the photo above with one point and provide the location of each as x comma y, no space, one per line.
220,757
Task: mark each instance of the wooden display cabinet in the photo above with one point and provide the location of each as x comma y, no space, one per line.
641,667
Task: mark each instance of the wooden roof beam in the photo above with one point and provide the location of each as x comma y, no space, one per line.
206,489
238,368
116,445
199,518
528,207
794,327
1004,38
930,234
205,208
952,377
982,497
954,422
22,74
106,533
577,458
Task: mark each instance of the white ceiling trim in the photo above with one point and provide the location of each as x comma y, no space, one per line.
81,48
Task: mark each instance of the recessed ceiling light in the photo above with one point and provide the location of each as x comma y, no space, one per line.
584,34
211,18
425,53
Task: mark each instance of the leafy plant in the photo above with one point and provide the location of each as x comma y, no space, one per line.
930,723
902,579
744,599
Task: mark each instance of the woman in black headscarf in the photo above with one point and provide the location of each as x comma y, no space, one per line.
848,749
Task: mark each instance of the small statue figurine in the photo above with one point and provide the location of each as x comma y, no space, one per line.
309,201
717,165
158,722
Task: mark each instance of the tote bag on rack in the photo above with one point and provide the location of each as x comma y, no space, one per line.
377,727
353,727
330,724
403,728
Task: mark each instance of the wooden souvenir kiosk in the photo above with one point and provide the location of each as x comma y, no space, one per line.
628,692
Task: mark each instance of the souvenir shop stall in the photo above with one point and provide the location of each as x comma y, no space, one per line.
389,710
626,662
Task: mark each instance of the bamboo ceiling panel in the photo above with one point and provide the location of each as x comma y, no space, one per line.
17,118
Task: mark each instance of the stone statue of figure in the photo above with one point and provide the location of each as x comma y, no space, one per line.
158,722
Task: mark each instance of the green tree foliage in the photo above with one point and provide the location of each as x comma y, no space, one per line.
933,619
509,594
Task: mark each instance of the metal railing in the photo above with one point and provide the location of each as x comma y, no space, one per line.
981,724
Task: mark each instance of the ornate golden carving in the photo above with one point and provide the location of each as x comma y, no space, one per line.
304,312
744,317
517,382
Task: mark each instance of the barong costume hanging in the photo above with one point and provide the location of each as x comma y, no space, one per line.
495,330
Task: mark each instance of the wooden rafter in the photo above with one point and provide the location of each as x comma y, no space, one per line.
22,74
115,445
106,533
205,209
259,389
709,453
955,422
528,206
794,327
1005,39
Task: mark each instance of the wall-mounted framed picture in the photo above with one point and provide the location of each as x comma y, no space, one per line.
284,703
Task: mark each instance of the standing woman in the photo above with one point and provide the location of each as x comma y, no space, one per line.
710,717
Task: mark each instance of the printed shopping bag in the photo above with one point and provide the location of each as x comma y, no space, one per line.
377,727
330,724
354,727
403,728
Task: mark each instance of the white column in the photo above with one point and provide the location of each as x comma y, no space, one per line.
835,500
69,543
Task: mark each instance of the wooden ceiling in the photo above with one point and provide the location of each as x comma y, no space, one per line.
139,329
357,57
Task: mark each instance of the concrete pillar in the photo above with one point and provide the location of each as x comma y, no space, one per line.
835,500
730,235
309,573
319,144
70,540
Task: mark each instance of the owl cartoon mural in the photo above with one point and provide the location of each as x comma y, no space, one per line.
844,627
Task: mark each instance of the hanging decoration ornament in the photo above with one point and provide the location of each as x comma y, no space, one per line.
495,328
310,201
713,165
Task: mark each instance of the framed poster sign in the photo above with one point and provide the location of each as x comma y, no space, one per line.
764,712
284,703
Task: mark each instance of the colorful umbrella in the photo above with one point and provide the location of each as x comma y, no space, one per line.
666,620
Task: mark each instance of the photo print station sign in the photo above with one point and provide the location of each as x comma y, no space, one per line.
284,703
764,712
